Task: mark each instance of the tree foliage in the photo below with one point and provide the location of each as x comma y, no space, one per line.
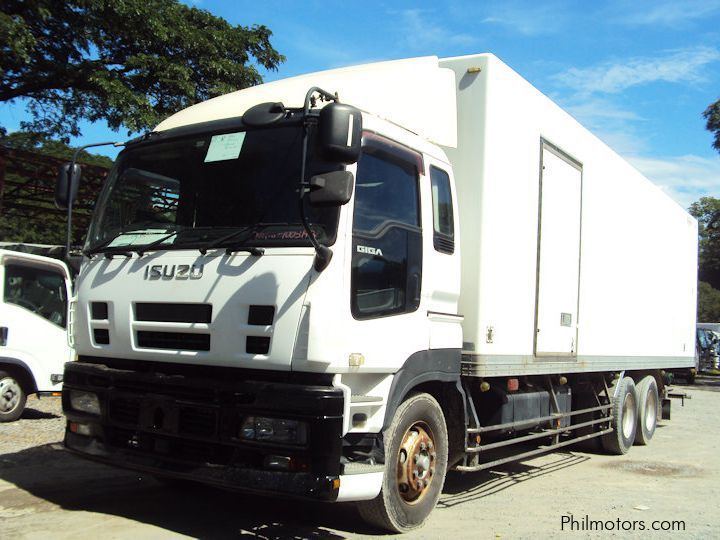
712,115
129,62
708,303
35,142
707,212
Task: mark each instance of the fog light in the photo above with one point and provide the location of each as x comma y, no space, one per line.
86,402
280,430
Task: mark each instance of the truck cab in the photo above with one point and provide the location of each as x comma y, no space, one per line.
34,292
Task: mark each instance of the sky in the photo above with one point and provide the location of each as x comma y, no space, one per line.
637,73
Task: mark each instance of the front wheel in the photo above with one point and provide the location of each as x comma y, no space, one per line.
12,398
416,453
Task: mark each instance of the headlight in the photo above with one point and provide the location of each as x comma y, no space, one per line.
86,402
279,430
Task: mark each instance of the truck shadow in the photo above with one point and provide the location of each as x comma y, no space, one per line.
50,473
462,488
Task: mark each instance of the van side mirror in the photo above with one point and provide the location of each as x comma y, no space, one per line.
66,188
331,189
340,132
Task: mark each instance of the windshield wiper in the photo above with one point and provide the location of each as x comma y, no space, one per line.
141,250
241,236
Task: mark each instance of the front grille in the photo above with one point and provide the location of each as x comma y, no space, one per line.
197,421
181,313
102,336
124,411
173,340
257,345
261,315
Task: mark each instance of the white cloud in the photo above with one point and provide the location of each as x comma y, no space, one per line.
685,65
528,20
684,178
670,13
422,32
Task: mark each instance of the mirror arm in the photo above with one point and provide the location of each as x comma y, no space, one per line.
79,149
323,254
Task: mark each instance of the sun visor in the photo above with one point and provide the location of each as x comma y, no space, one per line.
415,93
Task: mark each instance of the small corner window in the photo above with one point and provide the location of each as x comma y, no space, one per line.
443,228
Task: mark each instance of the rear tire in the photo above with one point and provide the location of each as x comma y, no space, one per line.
624,418
648,400
416,453
12,397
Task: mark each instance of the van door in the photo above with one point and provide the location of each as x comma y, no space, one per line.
558,276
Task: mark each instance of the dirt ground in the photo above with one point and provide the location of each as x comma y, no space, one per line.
46,492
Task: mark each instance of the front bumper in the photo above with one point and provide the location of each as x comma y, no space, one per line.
186,426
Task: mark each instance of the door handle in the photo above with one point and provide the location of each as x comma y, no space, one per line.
3,336
415,287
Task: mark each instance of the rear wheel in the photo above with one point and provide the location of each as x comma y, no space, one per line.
648,400
624,417
12,398
416,452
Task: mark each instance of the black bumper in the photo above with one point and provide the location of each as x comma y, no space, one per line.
183,426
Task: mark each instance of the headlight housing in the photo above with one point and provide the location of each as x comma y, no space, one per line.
86,402
276,430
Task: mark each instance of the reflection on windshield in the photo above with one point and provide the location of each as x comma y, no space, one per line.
205,186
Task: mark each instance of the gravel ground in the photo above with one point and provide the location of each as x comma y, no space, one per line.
47,492
42,422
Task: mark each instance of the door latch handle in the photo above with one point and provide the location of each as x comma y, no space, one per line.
3,336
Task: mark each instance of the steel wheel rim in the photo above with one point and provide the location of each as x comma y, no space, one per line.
416,463
650,412
9,394
628,420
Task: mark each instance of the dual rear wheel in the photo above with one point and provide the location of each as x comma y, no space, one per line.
635,414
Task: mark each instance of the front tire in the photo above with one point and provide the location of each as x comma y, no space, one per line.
416,453
648,400
12,398
624,418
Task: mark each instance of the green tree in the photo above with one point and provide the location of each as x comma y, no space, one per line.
707,212
130,63
708,303
712,115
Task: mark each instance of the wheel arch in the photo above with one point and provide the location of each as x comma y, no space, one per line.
435,372
20,371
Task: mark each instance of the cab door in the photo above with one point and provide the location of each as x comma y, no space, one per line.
386,270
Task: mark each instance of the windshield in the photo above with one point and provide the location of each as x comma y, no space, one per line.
204,187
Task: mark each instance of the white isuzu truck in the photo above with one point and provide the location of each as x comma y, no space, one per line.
34,292
342,285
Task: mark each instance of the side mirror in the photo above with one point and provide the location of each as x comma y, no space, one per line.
331,189
67,184
339,133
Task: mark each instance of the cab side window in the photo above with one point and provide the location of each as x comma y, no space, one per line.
38,290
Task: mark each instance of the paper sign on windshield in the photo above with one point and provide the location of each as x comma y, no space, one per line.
224,147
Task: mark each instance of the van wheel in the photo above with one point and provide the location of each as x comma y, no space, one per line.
416,453
624,418
648,400
12,398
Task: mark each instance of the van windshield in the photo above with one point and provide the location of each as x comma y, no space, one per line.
196,190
